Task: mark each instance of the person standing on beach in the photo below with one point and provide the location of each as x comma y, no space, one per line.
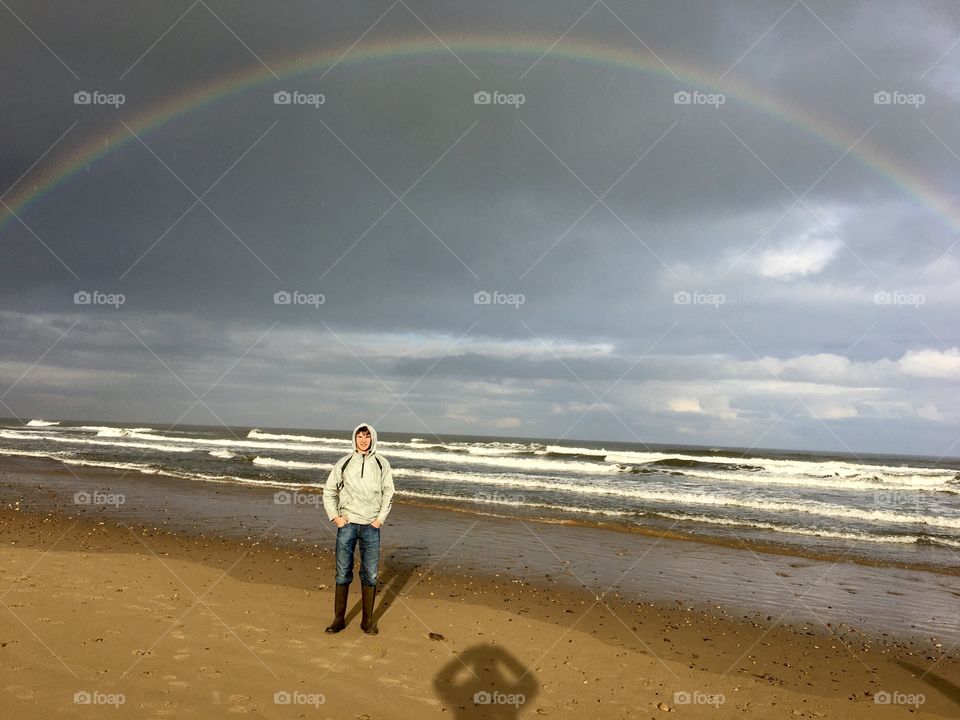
357,497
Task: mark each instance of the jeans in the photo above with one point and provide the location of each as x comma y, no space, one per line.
369,538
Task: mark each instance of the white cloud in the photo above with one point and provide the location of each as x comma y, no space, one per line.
684,405
828,410
809,256
931,363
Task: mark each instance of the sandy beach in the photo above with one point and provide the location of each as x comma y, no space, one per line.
139,620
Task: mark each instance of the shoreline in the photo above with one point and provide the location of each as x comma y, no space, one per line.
761,546
881,601
51,467
109,607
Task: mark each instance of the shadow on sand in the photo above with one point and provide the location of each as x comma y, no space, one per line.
937,682
485,681
391,583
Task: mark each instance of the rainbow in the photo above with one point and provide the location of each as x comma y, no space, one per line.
35,186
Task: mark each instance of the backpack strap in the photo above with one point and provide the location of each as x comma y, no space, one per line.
347,462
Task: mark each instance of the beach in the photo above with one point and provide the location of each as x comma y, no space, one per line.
146,610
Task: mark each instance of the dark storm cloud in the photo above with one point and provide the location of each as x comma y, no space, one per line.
656,232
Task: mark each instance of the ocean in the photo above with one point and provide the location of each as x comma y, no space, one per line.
883,508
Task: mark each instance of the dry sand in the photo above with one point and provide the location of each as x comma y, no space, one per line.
197,627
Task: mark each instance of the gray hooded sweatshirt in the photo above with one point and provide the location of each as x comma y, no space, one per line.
360,487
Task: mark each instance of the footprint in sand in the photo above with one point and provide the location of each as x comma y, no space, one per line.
21,692
173,682
239,708
182,654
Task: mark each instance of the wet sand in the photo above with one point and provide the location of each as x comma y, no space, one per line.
190,626
749,580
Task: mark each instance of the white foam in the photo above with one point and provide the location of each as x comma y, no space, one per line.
564,450
42,423
922,482
794,530
487,499
256,434
811,507
151,470
943,541
531,464
15,435
291,464
343,446
120,432
225,454
811,469
30,453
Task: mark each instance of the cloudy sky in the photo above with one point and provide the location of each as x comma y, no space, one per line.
676,222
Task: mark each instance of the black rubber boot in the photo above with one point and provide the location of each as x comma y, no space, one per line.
339,609
369,600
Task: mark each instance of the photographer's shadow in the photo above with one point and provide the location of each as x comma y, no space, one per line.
485,681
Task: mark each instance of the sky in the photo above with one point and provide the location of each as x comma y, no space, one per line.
668,222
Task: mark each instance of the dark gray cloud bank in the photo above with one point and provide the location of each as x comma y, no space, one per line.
777,271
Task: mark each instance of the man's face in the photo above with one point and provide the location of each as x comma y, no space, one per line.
363,440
